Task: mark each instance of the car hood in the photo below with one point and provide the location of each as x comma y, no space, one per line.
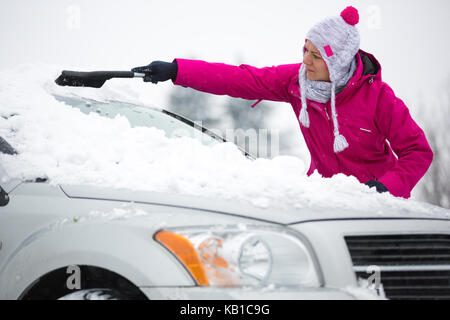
274,213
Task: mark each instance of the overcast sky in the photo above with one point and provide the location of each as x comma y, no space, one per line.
408,37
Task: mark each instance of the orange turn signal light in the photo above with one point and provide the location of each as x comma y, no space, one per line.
184,250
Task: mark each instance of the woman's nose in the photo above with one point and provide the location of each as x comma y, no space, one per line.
306,59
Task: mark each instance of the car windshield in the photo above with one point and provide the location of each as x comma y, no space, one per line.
172,124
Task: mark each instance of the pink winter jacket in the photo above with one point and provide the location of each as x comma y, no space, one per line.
373,120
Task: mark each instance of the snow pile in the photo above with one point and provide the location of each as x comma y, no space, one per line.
114,214
61,143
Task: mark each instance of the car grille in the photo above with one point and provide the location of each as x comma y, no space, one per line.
412,266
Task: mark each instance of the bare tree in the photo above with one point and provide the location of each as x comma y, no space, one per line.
435,186
251,129
194,105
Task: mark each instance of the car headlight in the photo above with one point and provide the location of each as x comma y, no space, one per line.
237,256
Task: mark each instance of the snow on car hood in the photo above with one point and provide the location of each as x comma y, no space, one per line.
70,148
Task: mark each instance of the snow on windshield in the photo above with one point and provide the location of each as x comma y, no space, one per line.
66,146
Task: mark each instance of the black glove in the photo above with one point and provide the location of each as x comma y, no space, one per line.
380,187
158,71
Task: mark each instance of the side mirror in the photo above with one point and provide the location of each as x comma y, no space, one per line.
6,148
4,197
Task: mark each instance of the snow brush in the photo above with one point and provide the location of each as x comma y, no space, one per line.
93,79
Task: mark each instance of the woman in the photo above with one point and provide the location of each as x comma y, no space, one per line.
351,120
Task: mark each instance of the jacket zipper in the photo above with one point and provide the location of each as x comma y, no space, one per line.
326,112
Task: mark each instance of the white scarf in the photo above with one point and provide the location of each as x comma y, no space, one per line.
322,91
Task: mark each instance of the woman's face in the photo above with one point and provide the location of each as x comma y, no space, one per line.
316,68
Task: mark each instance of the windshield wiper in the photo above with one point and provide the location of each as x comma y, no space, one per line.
204,130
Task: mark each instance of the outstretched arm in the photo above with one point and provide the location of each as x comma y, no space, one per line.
244,81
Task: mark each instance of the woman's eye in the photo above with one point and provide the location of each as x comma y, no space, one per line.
306,50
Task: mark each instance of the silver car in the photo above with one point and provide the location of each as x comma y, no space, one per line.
86,242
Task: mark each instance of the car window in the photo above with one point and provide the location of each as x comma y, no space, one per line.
140,116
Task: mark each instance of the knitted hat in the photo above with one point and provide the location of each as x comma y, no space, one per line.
337,40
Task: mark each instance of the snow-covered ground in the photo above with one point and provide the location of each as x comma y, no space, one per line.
66,146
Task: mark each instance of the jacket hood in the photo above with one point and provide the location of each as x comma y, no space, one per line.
369,66
368,69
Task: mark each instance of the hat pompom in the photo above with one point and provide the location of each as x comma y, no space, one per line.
350,15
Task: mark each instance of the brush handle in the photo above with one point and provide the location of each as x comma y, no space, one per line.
102,74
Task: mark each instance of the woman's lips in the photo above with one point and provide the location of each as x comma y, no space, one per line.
309,70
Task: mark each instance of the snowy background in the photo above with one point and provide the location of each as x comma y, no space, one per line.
409,38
